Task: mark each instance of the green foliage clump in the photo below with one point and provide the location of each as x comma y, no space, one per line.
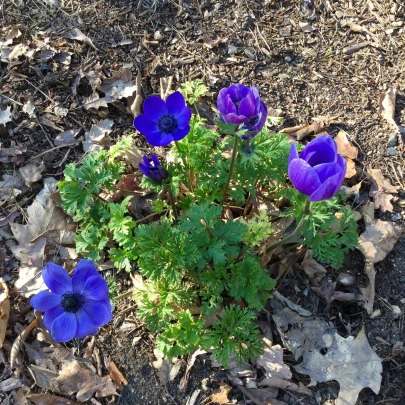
195,263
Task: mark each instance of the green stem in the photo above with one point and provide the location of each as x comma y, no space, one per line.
171,198
296,231
149,216
250,197
248,146
125,294
233,158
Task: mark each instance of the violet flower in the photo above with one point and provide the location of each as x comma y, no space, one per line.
163,122
152,169
241,105
318,171
75,307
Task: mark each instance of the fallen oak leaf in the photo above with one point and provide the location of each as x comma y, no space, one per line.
67,138
351,362
382,182
116,374
5,116
4,310
97,135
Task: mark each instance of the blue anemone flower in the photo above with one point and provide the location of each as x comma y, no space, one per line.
152,169
318,171
241,105
75,307
163,122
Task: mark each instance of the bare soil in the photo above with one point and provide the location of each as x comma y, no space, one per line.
299,54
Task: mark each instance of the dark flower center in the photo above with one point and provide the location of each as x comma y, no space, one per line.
252,121
167,123
72,301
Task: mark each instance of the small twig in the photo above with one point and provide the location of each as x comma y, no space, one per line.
36,88
50,150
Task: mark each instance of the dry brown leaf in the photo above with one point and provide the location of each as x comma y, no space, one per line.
76,376
11,186
31,173
382,182
5,116
311,267
378,239
67,138
119,85
46,399
76,34
369,291
386,105
190,363
345,148
220,395
29,108
116,374
13,155
254,396
4,310
351,169
351,362
95,101
97,135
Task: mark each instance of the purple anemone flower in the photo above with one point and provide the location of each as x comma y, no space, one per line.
163,122
152,169
319,170
75,307
241,105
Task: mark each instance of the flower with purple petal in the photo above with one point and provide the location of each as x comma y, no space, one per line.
318,171
241,105
163,122
152,169
75,307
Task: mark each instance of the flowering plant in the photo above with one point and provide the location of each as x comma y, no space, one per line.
201,250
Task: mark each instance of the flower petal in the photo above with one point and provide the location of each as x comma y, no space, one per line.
248,106
64,327
175,103
45,300
155,160
159,138
329,188
183,118
154,107
95,288
85,325
56,279
326,170
303,176
51,315
100,312
181,133
293,153
221,100
144,125
321,150
233,118
263,116
237,92
84,270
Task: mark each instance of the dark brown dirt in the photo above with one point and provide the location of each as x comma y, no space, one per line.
303,70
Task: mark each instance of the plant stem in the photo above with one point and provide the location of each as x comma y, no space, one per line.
150,216
295,232
250,197
233,158
125,294
171,198
248,146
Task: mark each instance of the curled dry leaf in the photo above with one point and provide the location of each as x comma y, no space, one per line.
4,310
386,105
381,189
76,34
382,182
47,399
97,136
369,291
116,374
351,169
311,267
378,239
